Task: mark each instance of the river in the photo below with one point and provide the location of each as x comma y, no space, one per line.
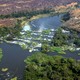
51,22
13,59
14,55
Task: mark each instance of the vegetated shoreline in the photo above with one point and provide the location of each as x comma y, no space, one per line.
32,18
39,14
38,17
25,19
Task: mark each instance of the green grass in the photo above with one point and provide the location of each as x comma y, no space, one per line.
24,46
46,32
58,50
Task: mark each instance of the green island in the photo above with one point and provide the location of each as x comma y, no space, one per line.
41,66
62,42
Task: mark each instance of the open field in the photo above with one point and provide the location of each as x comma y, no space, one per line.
7,22
74,22
9,6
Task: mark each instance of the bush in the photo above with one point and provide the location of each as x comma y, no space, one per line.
59,38
77,42
66,16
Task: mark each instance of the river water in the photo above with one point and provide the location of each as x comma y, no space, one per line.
40,24
13,59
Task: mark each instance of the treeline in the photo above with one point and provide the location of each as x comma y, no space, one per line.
25,13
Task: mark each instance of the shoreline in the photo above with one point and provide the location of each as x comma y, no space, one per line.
26,22
34,18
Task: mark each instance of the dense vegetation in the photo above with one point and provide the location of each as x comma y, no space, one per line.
66,16
77,42
60,38
27,14
10,32
62,41
40,66
65,38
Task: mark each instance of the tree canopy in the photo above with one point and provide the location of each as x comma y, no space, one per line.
40,66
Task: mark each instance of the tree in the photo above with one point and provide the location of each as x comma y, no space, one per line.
45,48
66,16
77,42
41,66
59,38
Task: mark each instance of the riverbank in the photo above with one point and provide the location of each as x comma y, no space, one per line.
26,21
